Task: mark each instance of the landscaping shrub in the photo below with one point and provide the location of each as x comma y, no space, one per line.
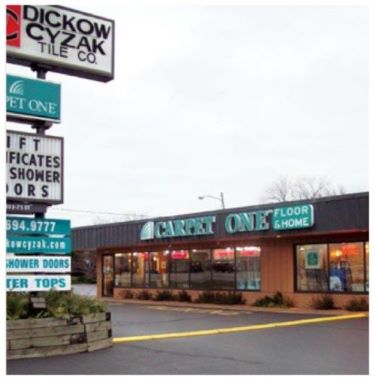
128,294
77,305
62,304
277,300
163,295
205,297
229,297
58,304
288,302
18,305
356,304
324,302
183,296
266,301
144,295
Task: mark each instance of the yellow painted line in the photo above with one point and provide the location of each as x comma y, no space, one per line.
173,335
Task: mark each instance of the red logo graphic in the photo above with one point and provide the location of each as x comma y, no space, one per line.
14,25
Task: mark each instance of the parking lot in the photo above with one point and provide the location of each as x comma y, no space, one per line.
289,345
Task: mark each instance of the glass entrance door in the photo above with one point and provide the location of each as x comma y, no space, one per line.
108,275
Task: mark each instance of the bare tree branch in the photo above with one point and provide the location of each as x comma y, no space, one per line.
304,187
279,191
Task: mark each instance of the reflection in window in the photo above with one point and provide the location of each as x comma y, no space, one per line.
122,269
223,273
367,266
107,275
346,273
159,269
312,268
140,261
200,269
179,269
248,268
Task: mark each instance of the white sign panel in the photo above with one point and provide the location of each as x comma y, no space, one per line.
34,168
62,39
31,283
37,264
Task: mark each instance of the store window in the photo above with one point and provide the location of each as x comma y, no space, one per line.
123,270
312,268
248,267
223,269
200,269
140,270
346,273
159,269
179,269
367,266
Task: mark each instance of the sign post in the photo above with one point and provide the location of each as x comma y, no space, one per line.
63,40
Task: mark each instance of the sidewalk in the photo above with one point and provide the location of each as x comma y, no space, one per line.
239,308
84,289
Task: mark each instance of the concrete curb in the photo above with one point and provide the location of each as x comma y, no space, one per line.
239,308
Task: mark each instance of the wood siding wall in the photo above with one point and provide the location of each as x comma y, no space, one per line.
277,266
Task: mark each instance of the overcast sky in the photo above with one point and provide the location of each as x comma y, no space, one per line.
210,99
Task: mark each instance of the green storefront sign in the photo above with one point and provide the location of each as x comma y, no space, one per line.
32,99
178,228
247,221
19,225
293,217
276,219
29,245
284,218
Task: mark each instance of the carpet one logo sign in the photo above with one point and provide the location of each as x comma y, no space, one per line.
66,40
32,99
187,227
292,217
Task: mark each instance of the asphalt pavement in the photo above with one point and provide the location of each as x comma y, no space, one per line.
337,347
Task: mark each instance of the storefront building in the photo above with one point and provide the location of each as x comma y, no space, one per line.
302,248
